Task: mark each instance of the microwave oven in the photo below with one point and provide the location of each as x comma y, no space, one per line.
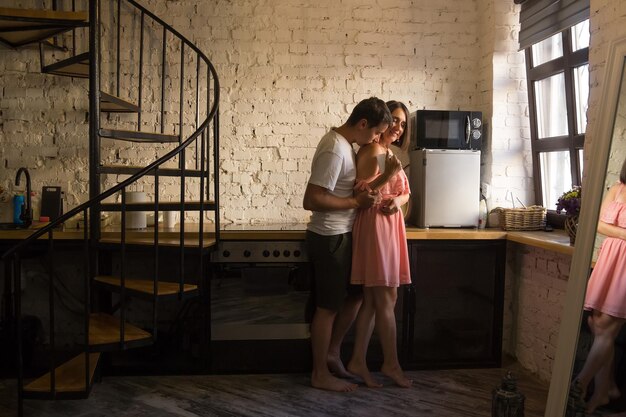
446,129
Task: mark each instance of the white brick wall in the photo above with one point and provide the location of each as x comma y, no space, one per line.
536,281
290,70
606,24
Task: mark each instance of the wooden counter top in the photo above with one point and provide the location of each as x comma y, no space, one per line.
62,234
111,234
413,233
557,240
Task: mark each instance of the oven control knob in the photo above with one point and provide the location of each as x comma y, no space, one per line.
296,253
266,253
226,254
276,253
286,253
246,253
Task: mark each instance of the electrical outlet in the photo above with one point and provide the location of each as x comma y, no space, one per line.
486,189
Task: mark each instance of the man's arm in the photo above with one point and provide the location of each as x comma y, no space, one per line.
318,198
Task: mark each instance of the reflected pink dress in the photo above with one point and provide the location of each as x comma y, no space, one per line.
606,290
379,249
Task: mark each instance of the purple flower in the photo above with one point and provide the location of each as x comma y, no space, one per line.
570,202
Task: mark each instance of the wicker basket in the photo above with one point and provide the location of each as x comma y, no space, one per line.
529,218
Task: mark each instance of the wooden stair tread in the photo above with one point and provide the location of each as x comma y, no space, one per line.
41,14
76,66
130,170
69,377
19,27
146,286
105,329
136,136
112,104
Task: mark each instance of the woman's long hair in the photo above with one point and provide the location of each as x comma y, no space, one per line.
622,174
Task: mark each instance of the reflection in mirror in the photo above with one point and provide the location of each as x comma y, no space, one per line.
599,367
592,356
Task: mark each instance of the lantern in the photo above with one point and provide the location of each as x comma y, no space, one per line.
507,401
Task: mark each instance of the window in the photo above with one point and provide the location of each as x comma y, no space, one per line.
558,88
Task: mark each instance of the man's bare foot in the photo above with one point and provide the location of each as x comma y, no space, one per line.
362,372
336,367
397,375
331,383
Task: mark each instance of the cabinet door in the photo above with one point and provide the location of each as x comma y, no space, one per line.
456,298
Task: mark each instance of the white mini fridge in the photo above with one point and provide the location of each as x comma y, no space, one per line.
445,187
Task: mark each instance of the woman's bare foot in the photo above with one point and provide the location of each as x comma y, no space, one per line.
597,401
397,375
362,372
336,367
331,383
614,393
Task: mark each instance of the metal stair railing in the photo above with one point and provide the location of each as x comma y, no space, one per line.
205,135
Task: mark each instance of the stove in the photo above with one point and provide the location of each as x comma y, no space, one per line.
261,298
258,251
245,250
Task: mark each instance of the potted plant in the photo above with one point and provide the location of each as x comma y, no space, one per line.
570,203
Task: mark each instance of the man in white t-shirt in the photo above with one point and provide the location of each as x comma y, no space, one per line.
330,196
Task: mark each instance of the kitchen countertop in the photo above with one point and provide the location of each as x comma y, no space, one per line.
557,240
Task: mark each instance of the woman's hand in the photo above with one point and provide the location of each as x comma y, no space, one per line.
392,165
367,198
391,206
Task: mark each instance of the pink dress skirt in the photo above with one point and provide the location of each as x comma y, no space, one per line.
380,255
606,289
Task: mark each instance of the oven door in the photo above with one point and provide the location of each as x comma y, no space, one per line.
260,315
260,302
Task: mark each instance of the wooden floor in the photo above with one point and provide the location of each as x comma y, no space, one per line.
450,393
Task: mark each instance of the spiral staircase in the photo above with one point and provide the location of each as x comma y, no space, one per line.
127,55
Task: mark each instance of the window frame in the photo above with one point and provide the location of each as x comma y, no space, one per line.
572,142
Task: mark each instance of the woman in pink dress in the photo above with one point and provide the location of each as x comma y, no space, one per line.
380,260
606,297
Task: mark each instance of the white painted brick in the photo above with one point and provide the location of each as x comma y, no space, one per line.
298,48
303,67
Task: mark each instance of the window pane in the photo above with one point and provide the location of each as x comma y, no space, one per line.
547,50
581,86
580,36
556,176
581,162
551,106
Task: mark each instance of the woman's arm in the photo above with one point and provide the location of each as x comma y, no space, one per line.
318,198
393,205
367,166
608,229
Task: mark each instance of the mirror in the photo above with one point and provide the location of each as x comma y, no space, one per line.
607,140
